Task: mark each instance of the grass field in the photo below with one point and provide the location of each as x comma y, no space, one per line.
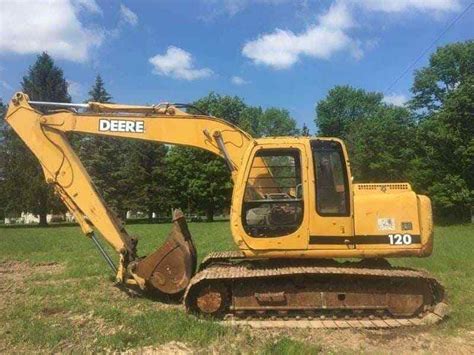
57,294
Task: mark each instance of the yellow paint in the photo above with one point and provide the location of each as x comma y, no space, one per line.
370,204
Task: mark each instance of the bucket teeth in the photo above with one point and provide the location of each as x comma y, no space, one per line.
170,268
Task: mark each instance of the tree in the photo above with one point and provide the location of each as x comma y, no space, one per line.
199,181
449,67
129,174
444,167
249,120
226,107
24,186
98,93
106,160
13,179
277,122
146,175
342,106
444,101
45,81
3,192
305,131
378,136
381,145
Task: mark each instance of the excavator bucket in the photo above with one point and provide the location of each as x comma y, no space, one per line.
170,268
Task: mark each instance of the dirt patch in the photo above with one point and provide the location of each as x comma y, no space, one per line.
114,293
13,276
14,273
90,321
173,347
14,279
395,341
50,311
15,270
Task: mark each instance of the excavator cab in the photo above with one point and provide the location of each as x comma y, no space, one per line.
277,189
296,199
294,187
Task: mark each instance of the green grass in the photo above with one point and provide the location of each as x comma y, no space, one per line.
452,264
291,347
73,306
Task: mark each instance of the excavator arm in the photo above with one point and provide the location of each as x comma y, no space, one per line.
45,136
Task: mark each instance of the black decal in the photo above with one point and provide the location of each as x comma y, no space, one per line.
361,239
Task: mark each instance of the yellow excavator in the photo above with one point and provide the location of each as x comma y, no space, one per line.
295,214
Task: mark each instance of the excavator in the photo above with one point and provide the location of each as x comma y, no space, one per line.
312,245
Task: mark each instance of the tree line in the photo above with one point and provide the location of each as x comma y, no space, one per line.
428,142
131,175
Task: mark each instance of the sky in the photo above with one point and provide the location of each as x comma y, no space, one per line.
271,53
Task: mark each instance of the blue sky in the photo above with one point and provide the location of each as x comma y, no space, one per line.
278,53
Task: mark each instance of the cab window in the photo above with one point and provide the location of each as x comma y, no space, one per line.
273,200
332,190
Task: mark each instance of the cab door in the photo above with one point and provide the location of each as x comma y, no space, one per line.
272,207
331,206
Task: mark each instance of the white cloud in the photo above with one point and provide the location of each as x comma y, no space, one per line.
34,26
283,48
406,5
89,5
395,99
178,64
128,15
75,90
232,7
237,80
338,16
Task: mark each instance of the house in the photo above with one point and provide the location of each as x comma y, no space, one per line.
30,218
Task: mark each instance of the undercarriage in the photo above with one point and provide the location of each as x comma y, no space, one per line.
313,293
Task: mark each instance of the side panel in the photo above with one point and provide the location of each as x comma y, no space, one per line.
426,224
385,213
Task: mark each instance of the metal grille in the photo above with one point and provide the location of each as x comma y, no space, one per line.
402,186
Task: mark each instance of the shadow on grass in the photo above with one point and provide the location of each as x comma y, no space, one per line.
155,296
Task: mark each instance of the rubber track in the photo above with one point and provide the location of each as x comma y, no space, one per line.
211,270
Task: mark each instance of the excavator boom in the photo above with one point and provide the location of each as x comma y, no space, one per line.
170,268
